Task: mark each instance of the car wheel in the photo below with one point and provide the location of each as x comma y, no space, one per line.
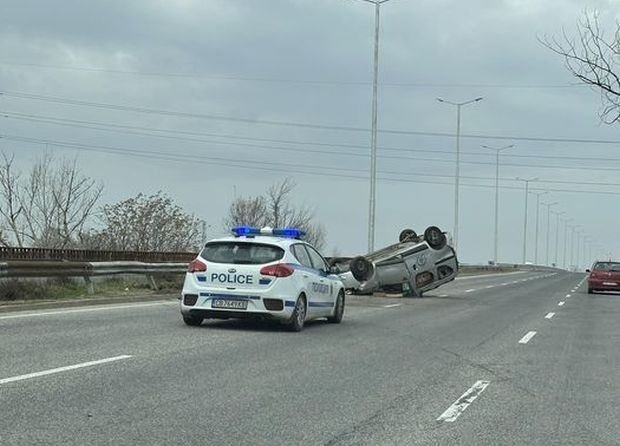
407,235
298,318
338,310
193,320
361,269
590,291
434,237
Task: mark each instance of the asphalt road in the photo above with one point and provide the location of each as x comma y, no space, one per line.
460,366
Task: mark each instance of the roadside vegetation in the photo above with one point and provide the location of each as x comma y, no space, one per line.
24,290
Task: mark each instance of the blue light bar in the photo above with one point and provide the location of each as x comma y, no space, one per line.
288,232
245,230
281,232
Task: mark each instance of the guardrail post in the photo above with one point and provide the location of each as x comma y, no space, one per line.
151,280
90,286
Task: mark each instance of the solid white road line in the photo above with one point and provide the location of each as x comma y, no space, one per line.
469,291
525,339
549,315
392,305
561,304
63,369
459,406
87,309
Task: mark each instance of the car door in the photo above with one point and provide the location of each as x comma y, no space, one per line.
323,289
306,269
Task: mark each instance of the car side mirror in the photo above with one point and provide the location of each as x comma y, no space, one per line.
334,269
587,271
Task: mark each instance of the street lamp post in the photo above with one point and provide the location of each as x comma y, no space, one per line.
373,131
457,178
497,151
549,206
557,234
566,224
538,195
527,185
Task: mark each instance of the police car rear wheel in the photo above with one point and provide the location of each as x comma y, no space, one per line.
192,320
298,318
338,310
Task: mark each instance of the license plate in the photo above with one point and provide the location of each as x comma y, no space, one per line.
610,283
230,304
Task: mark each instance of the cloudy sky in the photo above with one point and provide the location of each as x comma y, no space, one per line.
212,92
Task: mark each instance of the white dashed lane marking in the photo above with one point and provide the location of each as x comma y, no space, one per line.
549,315
525,339
459,406
561,304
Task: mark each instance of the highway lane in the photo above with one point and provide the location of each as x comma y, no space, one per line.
384,376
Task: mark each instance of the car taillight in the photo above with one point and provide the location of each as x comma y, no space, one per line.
279,270
196,267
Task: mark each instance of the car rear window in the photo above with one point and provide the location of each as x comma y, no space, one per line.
607,266
241,253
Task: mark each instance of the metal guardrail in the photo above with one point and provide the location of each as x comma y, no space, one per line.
21,269
89,255
87,270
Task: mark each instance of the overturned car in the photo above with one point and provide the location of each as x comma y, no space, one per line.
413,266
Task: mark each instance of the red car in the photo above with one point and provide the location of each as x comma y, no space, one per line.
605,276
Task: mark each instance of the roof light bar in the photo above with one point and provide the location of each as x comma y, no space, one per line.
279,232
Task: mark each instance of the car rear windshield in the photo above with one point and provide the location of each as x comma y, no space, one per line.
607,266
241,253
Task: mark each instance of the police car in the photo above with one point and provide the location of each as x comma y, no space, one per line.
263,274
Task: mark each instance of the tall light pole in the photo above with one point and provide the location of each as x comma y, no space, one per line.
457,177
538,195
497,151
572,244
549,206
566,224
527,186
557,234
373,132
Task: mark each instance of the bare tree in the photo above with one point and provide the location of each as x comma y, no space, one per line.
594,59
274,209
251,211
50,206
149,223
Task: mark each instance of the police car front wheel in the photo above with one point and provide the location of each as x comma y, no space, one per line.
336,318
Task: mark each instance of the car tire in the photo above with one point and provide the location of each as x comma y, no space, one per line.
590,291
407,235
298,318
435,238
338,310
361,269
193,321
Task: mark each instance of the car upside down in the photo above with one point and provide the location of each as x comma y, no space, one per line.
414,265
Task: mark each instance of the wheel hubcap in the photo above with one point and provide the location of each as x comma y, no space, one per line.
300,312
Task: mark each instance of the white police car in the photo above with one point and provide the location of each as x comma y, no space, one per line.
263,274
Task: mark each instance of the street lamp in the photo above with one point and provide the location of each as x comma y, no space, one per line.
538,195
572,243
458,106
527,185
497,151
373,132
549,206
557,234
566,225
